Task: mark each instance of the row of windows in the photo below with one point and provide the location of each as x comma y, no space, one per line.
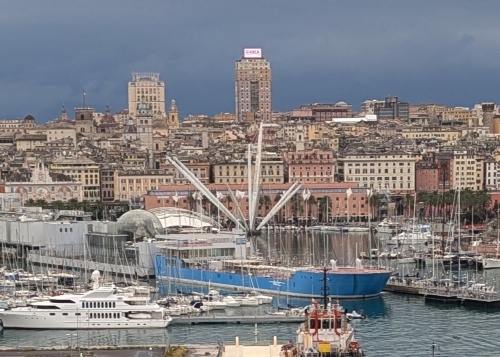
372,171
98,304
347,164
104,315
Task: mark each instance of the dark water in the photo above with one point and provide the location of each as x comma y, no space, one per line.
397,325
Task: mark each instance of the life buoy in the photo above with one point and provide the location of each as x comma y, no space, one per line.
353,345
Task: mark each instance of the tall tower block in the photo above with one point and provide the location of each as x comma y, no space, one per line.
252,86
488,109
146,88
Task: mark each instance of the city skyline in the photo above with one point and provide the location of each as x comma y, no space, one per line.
344,51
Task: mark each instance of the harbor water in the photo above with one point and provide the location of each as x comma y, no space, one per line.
396,325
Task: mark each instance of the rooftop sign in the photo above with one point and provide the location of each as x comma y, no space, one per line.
252,53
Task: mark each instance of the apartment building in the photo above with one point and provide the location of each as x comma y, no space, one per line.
80,169
467,170
384,170
236,171
199,168
432,132
132,185
311,166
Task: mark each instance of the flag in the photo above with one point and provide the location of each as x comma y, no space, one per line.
239,194
219,195
368,193
348,192
197,196
306,194
176,197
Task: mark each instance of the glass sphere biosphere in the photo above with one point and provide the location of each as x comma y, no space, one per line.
139,223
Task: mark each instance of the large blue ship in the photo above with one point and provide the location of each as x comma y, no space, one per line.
342,282
222,263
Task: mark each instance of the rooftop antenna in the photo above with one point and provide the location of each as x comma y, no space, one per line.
84,97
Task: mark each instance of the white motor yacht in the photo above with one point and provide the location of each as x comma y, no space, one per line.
104,307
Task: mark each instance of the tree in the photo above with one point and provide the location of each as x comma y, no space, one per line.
29,202
58,205
408,205
266,202
374,202
277,198
325,208
312,202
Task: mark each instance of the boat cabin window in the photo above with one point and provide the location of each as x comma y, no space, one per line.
99,304
326,323
47,307
78,314
65,314
62,301
52,314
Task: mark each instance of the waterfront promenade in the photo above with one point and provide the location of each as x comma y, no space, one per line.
231,350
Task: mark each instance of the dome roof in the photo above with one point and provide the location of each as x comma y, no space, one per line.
341,104
29,117
107,117
139,223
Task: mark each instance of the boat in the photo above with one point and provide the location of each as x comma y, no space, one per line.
494,262
355,315
185,260
324,332
387,226
103,307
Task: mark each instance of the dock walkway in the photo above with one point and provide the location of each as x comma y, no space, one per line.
214,319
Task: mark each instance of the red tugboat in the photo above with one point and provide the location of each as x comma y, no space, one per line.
324,333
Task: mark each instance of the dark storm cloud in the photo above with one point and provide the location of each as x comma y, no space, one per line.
321,51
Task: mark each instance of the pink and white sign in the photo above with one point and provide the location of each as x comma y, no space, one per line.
252,53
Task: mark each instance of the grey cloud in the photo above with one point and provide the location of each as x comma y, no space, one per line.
319,50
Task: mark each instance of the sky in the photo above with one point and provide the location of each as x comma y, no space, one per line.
321,51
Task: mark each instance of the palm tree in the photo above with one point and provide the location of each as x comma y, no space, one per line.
41,203
29,202
297,207
265,201
434,201
312,202
374,202
58,205
73,204
325,208
277,198
408,205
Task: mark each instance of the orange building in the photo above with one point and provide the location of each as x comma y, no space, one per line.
340,206
311,166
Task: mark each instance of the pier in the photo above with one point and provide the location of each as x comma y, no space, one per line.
214,319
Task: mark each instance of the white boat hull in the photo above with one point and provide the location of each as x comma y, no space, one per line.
491,263
43,320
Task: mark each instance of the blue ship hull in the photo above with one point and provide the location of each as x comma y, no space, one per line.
342,283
